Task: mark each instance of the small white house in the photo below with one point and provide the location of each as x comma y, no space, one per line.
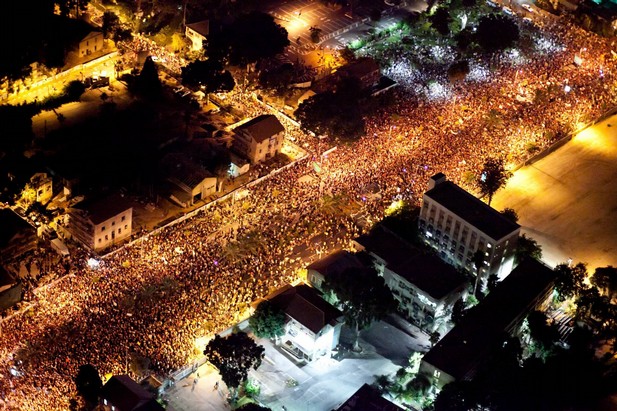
313,325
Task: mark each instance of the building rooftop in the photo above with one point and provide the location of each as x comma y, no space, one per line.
387,245
368,398
12,224
305,305
200,27
100,209
471,209
360,68
336,262
262,127
462,349
430,274
185,171
126,395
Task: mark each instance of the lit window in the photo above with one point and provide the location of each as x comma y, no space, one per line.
436,373
429,234
488,245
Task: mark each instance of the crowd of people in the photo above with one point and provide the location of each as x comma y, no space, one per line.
156,298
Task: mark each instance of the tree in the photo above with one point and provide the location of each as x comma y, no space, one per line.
497,32
74,90
493,176
234,356
440,20
209,74
315,34
336,114
268,321
363,295
492,282
458,311
111,24
527,247
66,6
569,281
540,329
605,278
250,37
434,337
510,214
148,83
251,406
88,383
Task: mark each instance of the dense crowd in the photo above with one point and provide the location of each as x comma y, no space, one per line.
157,297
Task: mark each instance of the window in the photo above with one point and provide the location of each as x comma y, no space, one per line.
99,240
123,218
113,223
106,238
103,228
119,230
126,227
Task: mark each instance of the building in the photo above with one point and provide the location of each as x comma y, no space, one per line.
17,237
313,325
336,262
365,69
368,398
42,186
197,33
238,166
460,352
10,290
425,287
260,138
457,224
121,393
101,222
189,181
91,43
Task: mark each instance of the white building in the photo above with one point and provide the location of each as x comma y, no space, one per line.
197,33
260,138
91,43
425,287
457,224
100,223
313,325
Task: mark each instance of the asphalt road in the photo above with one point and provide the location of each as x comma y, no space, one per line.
567,201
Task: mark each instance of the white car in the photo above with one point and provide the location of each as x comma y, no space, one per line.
527,7
508,10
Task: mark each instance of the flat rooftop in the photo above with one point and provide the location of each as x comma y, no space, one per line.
471,209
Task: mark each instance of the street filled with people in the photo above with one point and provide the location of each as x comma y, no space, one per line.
158,297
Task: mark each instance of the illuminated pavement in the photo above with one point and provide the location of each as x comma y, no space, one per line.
567,201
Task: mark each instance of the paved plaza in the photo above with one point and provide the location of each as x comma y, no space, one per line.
567,201
321,385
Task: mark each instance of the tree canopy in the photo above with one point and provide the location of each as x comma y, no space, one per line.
570,280
250,37
268,321
527,247
208,73
605,278
337,114
363,295
234,356
148,83
497,32
492,177
88,383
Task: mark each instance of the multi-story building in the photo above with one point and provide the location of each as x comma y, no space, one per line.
91,43
457,224
102,222
460,352
42,186
313,325
337,262
260,138
425,287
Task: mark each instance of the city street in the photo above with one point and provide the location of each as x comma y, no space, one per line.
567,200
